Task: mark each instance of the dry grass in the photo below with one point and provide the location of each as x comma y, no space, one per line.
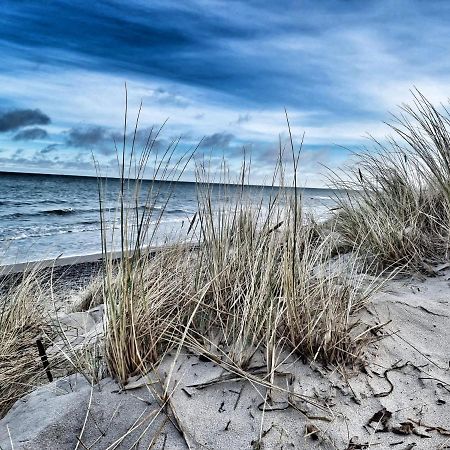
143,294
263,278
272,284
400,212
22,321
142,307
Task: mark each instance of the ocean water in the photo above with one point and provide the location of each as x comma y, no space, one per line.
44,216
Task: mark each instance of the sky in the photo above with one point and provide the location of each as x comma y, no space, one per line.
221,72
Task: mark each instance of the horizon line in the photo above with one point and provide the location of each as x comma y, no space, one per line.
14,172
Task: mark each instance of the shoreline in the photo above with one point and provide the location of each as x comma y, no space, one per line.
16,268
65,261
68,274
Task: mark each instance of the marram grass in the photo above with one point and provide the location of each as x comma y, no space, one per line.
399,212
247,276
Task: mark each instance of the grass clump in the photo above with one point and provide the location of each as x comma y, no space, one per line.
142,292
22,322
142,306
399,211
273,284
252,274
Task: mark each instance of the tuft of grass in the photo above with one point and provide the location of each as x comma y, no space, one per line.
22,322
141,309
398,209
252,275
273,284
142,292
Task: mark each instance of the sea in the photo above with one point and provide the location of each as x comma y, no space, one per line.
48,216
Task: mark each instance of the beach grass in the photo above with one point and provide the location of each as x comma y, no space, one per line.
22,322
248,276
399,208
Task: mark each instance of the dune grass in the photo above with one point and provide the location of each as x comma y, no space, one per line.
22,321
400,212
251,282
248,276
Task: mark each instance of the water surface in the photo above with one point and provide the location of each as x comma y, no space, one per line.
43,216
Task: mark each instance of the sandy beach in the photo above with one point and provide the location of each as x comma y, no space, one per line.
400,399
69,275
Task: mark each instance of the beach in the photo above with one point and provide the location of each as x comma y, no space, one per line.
399,400
224,225
68,275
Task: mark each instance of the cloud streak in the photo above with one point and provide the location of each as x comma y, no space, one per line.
217,141
89,137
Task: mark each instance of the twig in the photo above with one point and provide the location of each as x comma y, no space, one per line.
85,419
394,367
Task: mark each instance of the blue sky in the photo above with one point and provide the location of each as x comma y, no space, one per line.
219,70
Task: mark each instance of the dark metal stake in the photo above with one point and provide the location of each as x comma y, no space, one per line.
44,359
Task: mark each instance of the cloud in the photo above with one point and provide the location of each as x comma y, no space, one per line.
164,97
217,141
13,120
338,67
243,118
92,137
31,134
87,136
104,140
49,148
36,161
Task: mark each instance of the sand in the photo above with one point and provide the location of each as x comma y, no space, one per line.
400,400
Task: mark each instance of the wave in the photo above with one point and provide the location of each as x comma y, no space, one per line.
58,212
81,227
11,202
177,211
89,222
37,234
44,212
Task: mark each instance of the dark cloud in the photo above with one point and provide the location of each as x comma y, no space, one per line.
228,47
94,138
217,140
243,118
13,120
286,53
31,134
88,136
49,148
103,140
